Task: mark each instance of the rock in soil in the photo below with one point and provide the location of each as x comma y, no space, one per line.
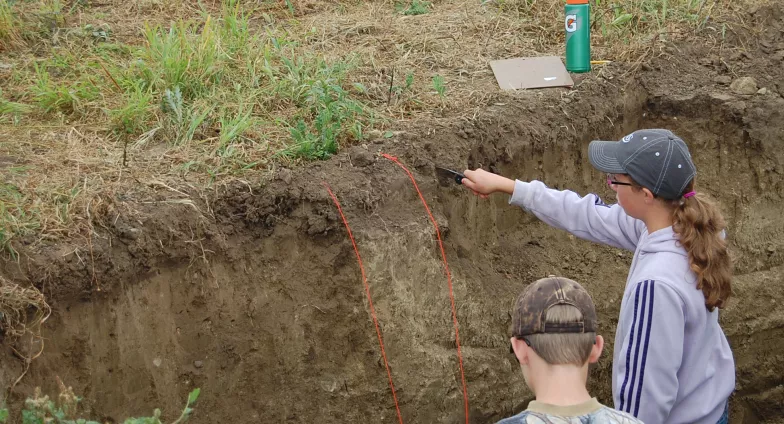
723,80
744,85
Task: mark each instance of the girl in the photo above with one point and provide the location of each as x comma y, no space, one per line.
671,362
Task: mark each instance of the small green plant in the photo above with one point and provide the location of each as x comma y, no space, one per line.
416,7
290,5
51,11
409,81
337,117
184,119
439,86
232,126
98,33
51,96
41,410
133,118
182,57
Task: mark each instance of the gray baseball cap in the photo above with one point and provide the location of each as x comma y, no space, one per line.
656,159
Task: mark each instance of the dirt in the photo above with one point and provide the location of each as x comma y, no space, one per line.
254,294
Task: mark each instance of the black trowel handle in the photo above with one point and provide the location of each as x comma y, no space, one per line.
458,177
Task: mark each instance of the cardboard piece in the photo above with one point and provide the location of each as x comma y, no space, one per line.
531,72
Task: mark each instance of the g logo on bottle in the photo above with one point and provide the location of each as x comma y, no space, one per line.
571,23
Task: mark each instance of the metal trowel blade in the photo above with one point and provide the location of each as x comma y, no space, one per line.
448,176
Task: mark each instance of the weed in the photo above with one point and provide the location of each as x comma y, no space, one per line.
40,409
618,20
183,120
98,33
232,126
134,116
290,5
236,33
51,12
51,96
409,81
336,117
181,57
416,7
439,86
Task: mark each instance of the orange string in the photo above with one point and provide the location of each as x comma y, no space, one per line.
448,278
370,300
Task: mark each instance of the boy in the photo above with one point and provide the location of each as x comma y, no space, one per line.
554,339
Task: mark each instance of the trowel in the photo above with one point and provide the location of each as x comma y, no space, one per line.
448,176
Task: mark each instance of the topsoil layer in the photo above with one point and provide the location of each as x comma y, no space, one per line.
255,295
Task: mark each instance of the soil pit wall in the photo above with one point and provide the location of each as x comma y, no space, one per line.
271,320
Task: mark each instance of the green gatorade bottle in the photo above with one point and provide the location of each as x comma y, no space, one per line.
578,36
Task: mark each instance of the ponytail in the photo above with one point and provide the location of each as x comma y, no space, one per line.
700,227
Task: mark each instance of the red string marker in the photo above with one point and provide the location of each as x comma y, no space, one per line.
370,300
448,278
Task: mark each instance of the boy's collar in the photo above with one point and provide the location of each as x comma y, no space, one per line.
585,408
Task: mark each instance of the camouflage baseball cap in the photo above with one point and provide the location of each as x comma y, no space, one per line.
531,308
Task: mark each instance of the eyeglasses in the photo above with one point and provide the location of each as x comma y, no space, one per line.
611,181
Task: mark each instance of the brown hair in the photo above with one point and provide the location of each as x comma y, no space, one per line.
700,227
563,348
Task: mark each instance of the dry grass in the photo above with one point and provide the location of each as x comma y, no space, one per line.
122,102
22,310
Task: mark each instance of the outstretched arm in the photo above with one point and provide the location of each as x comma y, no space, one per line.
586,217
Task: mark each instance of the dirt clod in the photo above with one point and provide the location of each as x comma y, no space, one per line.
723,80
361,157
744,85
284,175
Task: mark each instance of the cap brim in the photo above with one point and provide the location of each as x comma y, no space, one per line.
603,157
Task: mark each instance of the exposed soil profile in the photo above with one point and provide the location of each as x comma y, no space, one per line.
255,295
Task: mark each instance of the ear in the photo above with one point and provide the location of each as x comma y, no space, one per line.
649,197
596,350
520,350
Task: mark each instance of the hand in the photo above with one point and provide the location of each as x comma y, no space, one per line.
483,183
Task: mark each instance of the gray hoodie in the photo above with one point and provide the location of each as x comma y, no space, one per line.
671,361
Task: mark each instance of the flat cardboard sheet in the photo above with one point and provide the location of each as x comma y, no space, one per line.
531,72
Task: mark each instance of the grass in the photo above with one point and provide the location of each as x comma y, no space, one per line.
57,97
18,216
97,102
10,26
12,111
618,20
